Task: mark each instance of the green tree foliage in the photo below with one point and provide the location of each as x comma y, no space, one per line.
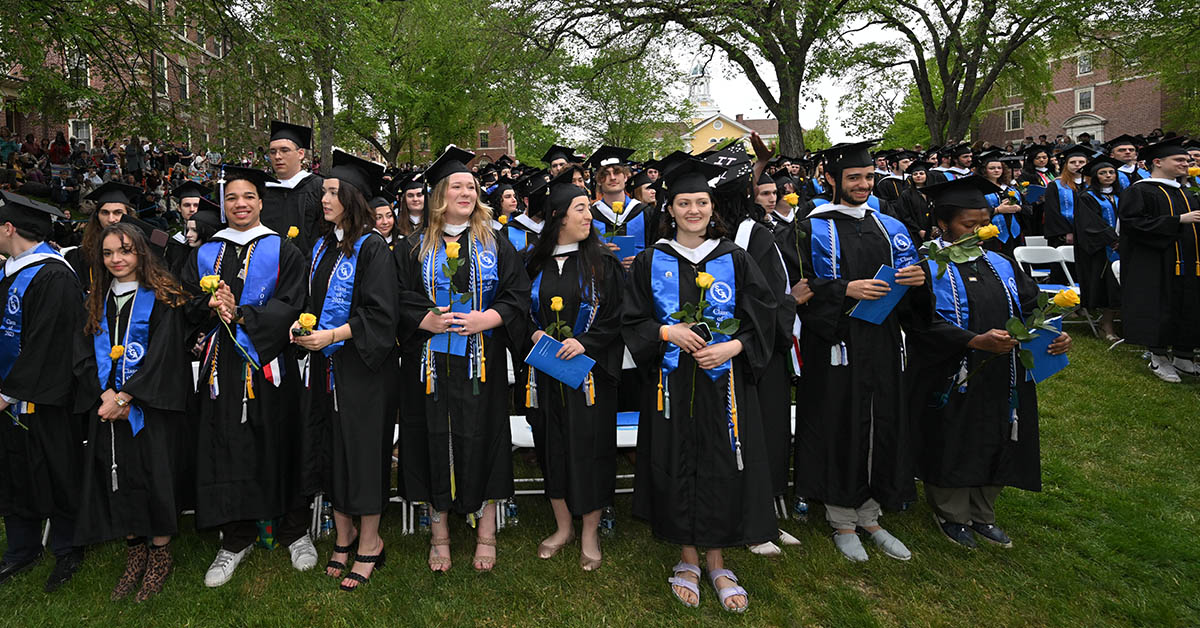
1156,37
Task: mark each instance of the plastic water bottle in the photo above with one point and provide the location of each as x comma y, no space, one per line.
326,518
510,513
423,517
608,521
800,509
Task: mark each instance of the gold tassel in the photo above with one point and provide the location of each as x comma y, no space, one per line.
591,390
30,408
660,391
529,389
249,383
482,361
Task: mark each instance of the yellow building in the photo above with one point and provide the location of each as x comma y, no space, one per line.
718,128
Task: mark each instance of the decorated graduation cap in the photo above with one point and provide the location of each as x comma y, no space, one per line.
960,193
115,192
300,135
1099,163
454,160
1124,140
556,152
365,176
849,155
609,156
229,174
1166,148
690,176
27,214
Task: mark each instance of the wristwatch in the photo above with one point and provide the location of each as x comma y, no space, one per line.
237,314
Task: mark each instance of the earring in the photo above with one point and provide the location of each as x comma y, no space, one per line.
712,222
672,222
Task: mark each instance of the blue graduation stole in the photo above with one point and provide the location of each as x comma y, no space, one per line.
826,248
1108,210
817,187
950,176
583,319
635,226
518,237
258,286
1066,202
950,293
335,310
482,283
1123,179
10,323
1008,224
817,202
721,297
135,342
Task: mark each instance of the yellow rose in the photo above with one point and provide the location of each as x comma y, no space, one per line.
792,199
988,232
117,351
704,281
1066,299
293,232
1012,194
209,283
556,304
307,321
503,219
452,250
618,207
1194,171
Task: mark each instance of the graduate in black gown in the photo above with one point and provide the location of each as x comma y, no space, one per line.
979,436
1062,195
460,459
113,201
294,200
1006,204
133,383
524,229
634,218
913,208
1160,263
852,441
248,431
40,439
1036,171
703,475
578,281
1096,243
348,403
410,201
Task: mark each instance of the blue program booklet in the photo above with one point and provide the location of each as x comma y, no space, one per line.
570,372
1044,364
877,311
450,342
628,244
1034,194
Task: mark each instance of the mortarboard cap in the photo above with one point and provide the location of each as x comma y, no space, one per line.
1123,140
691,176
158,239
609,156
1101,162
1076,149
189,189
563,190
849,155
28,214
300,135
557,152
454,160
1165,148
960,193
364,175
114,192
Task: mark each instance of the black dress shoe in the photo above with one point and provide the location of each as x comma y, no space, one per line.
958,533
64,568
10,569
992,534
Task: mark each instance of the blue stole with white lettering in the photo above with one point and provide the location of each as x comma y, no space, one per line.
721,297
950,293
517,237
258,286
482,267
335,310
1108,210
1008,224
1066,202
135,342
583,319
10,324
826,248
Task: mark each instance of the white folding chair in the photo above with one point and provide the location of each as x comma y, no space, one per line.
1068,253
1038,275
1035,241
1050,256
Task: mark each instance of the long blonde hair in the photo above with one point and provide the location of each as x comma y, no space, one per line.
435,219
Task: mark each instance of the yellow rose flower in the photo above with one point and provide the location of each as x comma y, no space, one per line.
307,321
1066,299
556,304
452,250
503,219
1194,171
117,351
704,281
209,283
293,232
988,232
1012,194
792,199
618,207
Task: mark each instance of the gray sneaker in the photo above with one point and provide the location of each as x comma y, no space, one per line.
890,545
1161,366
850,546
304,555
1185,366
222,568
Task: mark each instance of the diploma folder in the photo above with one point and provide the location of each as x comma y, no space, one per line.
1034,193
1044,364
570,372
877,311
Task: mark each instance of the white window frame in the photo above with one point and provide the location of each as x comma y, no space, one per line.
1008,126
1084,64
1091,92
71,131
184,87
718,125
77,60
1012,91
181,17
160,72
485,138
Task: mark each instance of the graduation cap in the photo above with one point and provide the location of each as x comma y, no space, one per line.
410,181
380,201
300,135
189,189
158,239
505,161
1124,140
115,192
917,165
1165,148
691,176
1033,150
1076,149
454,160
637,181
960,193
563,190
988,155
557,152
363,175
1012,159
27,214
1101,162
210,218
958,149
609,156
895,156
536,187
849,155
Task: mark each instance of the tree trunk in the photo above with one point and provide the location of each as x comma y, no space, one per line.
791,136
325,120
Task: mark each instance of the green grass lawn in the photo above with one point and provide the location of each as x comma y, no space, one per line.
1109,542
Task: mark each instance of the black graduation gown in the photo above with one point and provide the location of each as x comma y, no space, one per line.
249,470
1056,226
889,188
687,484
852,440
82,265
1093,271
576,443
1037,218
298,207
40,467
775,382
1160,276
916,213
347,447
148,477
787,238
477,426
967,441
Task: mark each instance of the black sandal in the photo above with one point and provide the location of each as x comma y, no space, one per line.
337,564
379,559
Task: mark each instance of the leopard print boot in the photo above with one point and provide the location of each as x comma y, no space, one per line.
135,567
158,567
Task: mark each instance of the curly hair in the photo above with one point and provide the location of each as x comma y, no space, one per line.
149,270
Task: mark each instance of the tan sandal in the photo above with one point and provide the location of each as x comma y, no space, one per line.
548,550
484,564
436,562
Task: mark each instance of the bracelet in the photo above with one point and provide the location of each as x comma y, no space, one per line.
663,331
333,334
121,403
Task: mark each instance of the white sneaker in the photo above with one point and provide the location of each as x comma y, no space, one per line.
222,568
1161,366
304,555
1185,366
788,539
766,549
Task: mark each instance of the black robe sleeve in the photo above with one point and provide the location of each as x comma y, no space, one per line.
52,314
412,304
373,319
1056,224
639,328
757,311
512,293
768,259
1092,233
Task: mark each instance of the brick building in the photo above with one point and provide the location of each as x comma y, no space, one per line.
1083,98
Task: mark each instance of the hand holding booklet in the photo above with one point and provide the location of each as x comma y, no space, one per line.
877,311
543,357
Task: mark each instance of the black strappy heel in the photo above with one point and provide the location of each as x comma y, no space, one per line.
340,549
379,559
